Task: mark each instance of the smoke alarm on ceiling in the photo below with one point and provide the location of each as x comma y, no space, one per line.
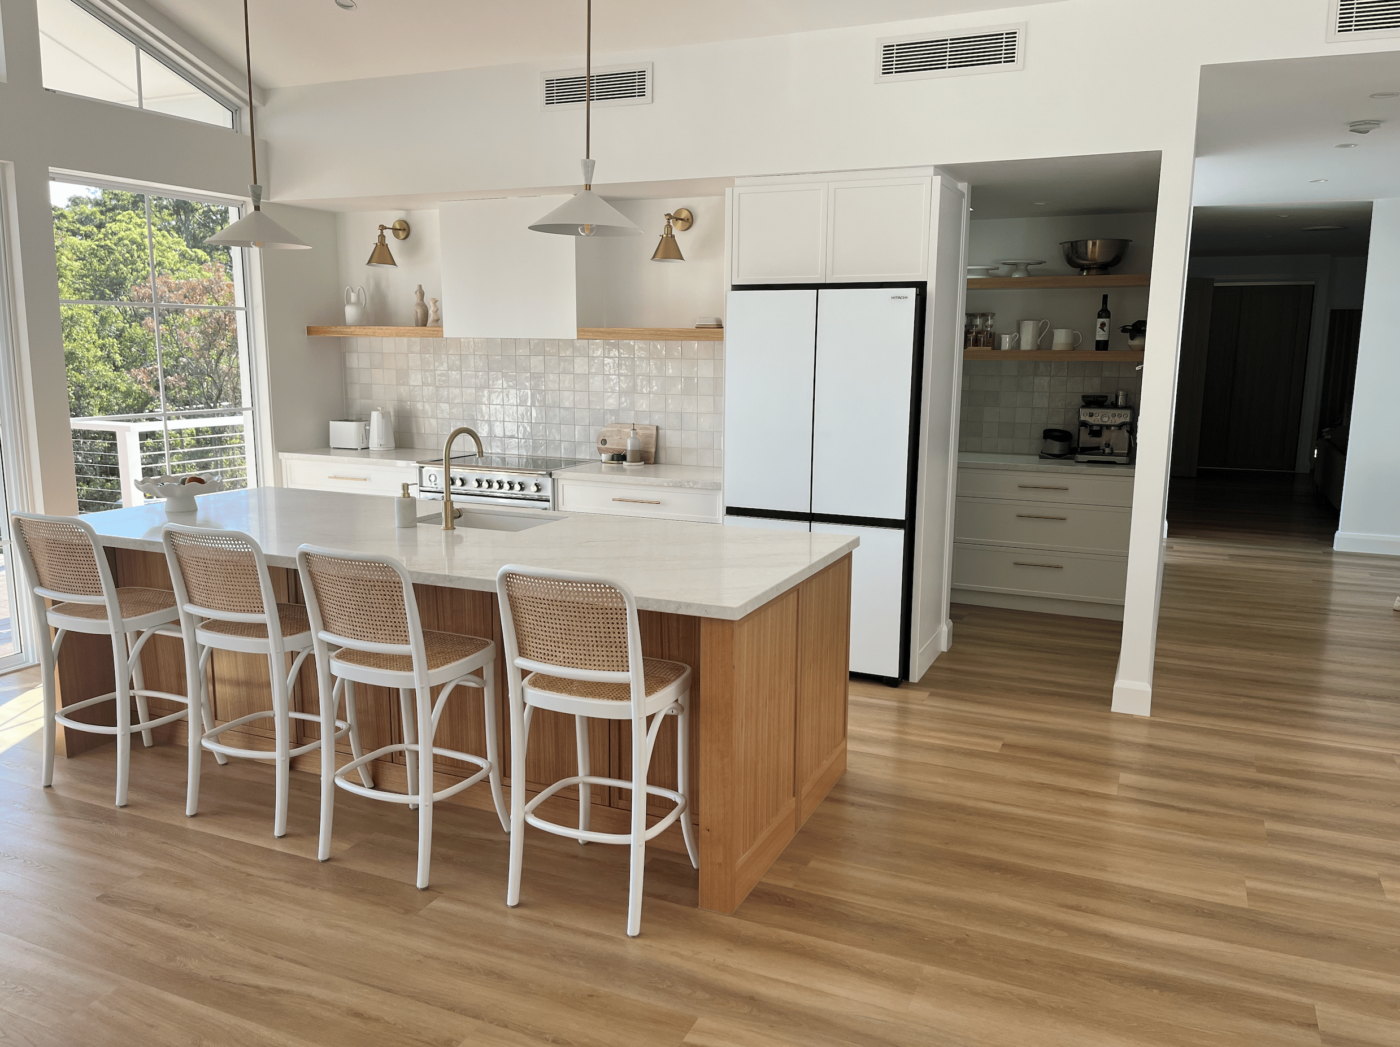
1363,127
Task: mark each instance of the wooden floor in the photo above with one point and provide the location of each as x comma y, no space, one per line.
1006,862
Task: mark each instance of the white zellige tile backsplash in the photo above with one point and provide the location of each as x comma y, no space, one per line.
543,396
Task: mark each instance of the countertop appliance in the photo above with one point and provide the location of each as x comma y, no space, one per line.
349,433
1105,433
822,396
523,481
1056,443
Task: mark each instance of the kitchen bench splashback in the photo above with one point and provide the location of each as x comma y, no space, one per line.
1007,403
543,396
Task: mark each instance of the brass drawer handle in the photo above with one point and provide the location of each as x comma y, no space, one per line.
1055,566
359,479
1033,516
1040,487
638,501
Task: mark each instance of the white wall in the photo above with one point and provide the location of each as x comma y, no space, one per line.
620,286
1371,495
390,288
1348,280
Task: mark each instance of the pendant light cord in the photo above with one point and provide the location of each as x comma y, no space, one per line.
587,87
252,128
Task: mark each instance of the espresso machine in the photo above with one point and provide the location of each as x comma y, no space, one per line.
1105,431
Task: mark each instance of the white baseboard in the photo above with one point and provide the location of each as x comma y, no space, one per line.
1376,544
1132,697
935,645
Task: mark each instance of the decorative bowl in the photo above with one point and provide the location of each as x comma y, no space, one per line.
1021,266
179,490
1094,257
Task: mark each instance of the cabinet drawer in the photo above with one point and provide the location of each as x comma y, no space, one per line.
1082,528
1045,487
666,503
1036,572
342,476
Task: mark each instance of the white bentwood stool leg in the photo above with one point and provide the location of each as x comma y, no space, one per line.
123,716
585,791
328,693
683,778
488,695
138,679
282,725
424,712
366,773
46,657
410,736
198,694
519,742
639,824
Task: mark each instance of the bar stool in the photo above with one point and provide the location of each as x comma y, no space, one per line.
364,618
64,562
226,603
577,636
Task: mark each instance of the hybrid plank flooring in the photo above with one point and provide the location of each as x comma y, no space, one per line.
1005,863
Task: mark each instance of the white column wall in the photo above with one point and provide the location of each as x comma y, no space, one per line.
1371,494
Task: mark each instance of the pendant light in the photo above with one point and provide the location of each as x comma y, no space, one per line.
255,229
587,214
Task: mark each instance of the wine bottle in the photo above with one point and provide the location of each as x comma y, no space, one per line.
1101,327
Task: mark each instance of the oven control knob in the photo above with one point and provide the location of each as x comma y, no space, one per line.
510,485
538,488
477,483
431,478
500,485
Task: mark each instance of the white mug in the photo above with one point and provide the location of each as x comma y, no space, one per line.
1066,339
1032,331
1008,341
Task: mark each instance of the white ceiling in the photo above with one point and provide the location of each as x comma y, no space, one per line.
1268,129
314,41
1109,183
1282,229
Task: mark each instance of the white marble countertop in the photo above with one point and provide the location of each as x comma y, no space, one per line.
672,566
404,455
702,477
987,460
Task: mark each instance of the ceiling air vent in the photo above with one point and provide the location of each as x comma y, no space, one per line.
994,49
1364,18
616,85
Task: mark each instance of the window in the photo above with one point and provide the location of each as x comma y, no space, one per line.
82,55
154,339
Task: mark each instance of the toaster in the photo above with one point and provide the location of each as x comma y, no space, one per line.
350,433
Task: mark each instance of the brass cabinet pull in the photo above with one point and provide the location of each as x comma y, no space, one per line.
1055,566
1040,487
638,501
1033,516
358,479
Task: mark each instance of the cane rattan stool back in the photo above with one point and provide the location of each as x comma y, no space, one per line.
62,556
220,571
359,600
569,623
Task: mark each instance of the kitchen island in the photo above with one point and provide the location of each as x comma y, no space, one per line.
761,617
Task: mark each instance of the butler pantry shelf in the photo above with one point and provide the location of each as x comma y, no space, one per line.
1056,283
1066,355
374,332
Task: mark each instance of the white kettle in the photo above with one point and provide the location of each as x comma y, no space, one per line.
381,430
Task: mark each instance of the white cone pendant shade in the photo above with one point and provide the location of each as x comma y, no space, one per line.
586,214
256,229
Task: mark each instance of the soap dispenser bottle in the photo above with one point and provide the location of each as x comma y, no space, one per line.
634,447
405,509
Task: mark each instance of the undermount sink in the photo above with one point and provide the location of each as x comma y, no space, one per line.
493,521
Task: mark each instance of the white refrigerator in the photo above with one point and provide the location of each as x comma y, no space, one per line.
822,394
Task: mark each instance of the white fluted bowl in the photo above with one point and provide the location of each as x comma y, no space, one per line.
177,491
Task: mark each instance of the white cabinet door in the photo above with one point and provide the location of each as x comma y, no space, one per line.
769,356
780,234
878,230
862,408
877,594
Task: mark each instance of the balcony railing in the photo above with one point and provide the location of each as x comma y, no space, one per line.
111,453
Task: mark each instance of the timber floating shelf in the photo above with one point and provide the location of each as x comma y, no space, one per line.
655,334
1056,283
647,334
374,332
1068,355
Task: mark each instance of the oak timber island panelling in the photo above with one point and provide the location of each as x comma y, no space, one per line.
762,619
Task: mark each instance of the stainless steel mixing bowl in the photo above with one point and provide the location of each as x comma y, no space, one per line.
1094,257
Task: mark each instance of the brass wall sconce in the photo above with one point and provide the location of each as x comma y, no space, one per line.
668,250
381,254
